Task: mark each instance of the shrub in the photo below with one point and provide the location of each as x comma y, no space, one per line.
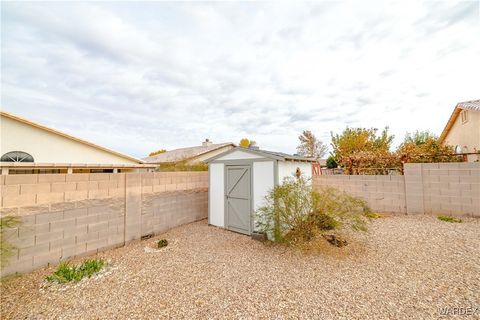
162,243
373,215
449,219
182,166
293,213
67,273
6,249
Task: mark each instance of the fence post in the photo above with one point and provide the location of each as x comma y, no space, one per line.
414,198
133,206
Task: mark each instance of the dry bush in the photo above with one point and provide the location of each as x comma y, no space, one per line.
295,215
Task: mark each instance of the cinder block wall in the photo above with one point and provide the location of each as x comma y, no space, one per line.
443,188
67,215
426,188
382,193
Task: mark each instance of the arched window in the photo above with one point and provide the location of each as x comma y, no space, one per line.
16,156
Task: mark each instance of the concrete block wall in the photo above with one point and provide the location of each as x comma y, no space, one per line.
443,188
426,188
382,193
80,214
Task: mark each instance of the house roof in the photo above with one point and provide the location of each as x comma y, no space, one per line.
41,127
264,153
473,105
184,153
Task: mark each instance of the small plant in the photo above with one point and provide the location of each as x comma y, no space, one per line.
6,249
373,215
162,243
449,219
67,273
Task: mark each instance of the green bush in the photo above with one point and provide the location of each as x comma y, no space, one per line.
162,243
293,213
182,166
449,219
67,273
6,249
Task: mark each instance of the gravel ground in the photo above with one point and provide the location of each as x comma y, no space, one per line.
406,268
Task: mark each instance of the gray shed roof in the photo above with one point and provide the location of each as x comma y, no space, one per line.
184,153
264,153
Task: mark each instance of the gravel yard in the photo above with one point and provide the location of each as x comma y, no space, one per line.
407,268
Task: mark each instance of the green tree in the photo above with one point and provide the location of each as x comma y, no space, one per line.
419,137
246,143
154,153
310,146
331,162
424,146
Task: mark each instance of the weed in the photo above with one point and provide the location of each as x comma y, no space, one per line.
67,273
373,215
6,249
449,219
162,243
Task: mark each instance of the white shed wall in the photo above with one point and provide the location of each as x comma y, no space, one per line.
239,155
216,195
288,169
263,181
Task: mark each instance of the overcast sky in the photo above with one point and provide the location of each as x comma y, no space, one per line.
139,77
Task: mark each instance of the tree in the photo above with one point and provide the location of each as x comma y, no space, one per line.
331,162
246,143
419,137
154,153
361,147
310,146
424,146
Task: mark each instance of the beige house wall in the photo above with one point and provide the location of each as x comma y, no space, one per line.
48,147
426,188
68,215
466,135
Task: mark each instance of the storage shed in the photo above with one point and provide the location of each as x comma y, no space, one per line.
241,178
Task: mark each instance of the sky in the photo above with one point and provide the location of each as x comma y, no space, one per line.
138,77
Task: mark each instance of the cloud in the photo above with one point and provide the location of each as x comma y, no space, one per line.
153,75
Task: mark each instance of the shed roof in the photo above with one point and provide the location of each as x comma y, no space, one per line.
473,105
184,153
264,153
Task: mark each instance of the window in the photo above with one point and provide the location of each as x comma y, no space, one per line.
16,156
464,115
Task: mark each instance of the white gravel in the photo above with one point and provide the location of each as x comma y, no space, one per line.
407,268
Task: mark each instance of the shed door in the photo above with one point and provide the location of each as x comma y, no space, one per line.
238,198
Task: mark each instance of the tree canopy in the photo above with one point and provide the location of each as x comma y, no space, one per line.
246,143
154,153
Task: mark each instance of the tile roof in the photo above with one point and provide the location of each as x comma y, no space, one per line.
473,105
184,153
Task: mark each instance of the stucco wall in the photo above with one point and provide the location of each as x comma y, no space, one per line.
466,135
117,208
47,147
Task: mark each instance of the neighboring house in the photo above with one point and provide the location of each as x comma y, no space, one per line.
28,147
463,130
190,155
